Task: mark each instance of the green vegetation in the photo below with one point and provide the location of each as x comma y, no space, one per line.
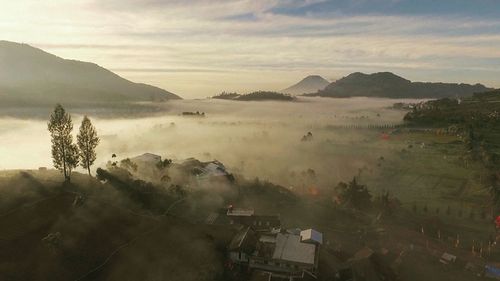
195,114
255,96
474,122
265,95
354,195
475,119
65,154
89,230
87,142
226,96
479,108
389,85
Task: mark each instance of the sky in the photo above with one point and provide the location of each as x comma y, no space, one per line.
198,48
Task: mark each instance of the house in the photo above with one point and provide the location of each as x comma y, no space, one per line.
146,158
247,217
145,166
242,246
286,256
279,255
212,169
264,223
447,258
239,212
215,169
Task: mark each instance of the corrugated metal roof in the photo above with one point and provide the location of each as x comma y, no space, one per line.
289,248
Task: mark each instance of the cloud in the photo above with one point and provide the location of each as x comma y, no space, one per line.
168,42
168,70
479,8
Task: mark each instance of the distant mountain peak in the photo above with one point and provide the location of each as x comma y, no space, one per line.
309,84
314,77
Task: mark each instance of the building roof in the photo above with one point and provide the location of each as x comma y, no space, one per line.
237,212
258,221
244,241
364,253
212,169
289,248
267,238
447,258
147,157
190,161
215,169
311,235
204,170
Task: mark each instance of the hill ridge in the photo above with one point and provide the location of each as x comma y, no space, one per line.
29,75
390,85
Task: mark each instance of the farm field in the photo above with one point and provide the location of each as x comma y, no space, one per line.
432,183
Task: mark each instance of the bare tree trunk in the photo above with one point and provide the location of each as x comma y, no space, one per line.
64,162
88,161
69,175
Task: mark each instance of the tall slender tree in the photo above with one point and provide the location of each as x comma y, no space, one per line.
87,142
64,152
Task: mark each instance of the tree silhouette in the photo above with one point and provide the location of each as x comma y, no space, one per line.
354,194
64,152
87,142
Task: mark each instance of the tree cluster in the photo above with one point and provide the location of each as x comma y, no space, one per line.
66,155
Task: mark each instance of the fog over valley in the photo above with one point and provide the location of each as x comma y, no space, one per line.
253,138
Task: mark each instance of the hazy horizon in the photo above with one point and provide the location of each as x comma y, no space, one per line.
199,48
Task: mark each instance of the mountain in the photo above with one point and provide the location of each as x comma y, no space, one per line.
310,84
389,85
30,76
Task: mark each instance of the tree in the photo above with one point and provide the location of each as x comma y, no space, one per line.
354,194
87,142
470,138
72,158
492,180
64,152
